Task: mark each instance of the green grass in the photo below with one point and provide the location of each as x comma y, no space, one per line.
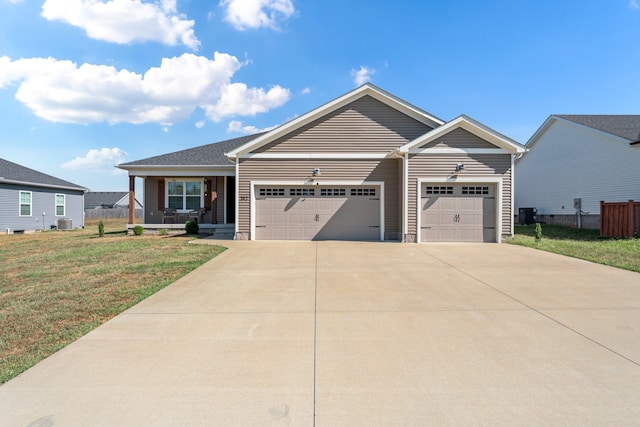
583,244
56,286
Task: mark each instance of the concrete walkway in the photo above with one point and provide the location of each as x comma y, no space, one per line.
356,334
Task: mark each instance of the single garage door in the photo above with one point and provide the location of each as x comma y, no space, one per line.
458,213
317,213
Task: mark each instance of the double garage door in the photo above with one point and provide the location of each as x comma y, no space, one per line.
317,212
458,213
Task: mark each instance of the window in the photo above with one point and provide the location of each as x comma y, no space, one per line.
439,190
333,192
272,192
302,192
363,191
184,195
25,203
59,204
475,190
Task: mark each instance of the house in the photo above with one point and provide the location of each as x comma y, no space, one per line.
108,200
31,200
576,161
364,166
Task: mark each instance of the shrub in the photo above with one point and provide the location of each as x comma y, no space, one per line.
538,232
138,230
192,227
163,232
101,229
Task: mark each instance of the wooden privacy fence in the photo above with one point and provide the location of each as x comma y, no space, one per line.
110,213
620,219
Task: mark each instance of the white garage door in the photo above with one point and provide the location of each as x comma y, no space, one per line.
458,213
317,213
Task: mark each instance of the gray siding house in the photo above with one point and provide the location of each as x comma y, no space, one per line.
31,200
365,166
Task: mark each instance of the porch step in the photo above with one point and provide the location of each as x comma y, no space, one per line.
223,234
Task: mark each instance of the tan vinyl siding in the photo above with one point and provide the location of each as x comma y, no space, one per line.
442,165
332,170
365,125
459,138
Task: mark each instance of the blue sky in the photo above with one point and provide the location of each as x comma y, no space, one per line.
87,84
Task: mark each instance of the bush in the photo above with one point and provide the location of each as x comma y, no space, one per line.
538,232
101,229
138,230
192,227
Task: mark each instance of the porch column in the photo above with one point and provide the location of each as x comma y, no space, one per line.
132,199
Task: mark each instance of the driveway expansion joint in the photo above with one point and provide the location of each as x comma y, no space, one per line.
539,312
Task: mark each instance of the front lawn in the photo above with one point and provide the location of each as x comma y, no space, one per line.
56,286
583,244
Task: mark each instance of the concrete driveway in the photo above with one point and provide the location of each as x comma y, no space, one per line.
356,334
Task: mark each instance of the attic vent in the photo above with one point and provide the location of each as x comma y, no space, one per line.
65,224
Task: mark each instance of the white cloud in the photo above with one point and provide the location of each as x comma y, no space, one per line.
61,91
103,159
200,124
237,98
125,21
306,91
634,4
236,126
251,14
362,75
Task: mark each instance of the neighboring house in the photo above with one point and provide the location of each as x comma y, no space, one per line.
365,166
31,200
582,159
108,200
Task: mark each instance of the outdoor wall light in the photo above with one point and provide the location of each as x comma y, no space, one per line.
459,167
316,172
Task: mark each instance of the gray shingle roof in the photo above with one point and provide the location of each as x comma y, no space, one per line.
102,198
624,125
10,171
204,155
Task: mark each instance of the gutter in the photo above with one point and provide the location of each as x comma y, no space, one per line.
37,184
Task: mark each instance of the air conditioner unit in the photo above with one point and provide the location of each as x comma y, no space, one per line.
65,224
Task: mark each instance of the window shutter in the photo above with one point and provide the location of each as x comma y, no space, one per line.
161,194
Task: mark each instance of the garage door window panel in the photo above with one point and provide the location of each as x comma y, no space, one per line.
302,192
363,191
333,192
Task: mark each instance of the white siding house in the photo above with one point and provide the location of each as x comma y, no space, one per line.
586,157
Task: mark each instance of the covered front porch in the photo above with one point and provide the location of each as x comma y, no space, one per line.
169,201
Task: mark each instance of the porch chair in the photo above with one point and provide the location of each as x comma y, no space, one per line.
197,215
169,213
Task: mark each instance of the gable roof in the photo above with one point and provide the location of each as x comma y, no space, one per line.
367,89
472,126
13,173
623,125
204,155
109,199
